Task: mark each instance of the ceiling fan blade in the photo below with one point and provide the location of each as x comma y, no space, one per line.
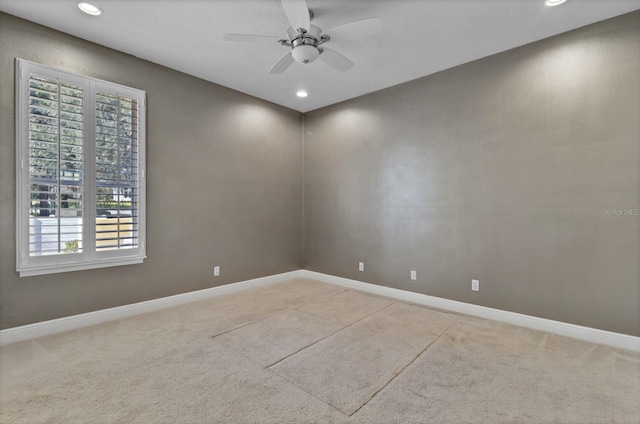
250,38
282,64
335,60
297,13
358,29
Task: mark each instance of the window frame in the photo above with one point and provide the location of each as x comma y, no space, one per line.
89,258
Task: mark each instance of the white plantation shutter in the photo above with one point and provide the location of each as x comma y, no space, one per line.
55,166
117,188
80,172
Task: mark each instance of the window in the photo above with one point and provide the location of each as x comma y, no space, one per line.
80,145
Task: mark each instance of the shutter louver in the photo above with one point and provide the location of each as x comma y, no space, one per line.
117,185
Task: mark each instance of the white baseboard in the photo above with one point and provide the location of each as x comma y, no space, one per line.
45,328
622,341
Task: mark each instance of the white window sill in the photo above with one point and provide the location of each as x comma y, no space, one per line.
54,269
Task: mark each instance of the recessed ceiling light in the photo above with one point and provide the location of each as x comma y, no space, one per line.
302,93
89,8
554,2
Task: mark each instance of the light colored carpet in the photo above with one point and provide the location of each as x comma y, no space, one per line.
273,339
348,368
482,371
209,362
346,307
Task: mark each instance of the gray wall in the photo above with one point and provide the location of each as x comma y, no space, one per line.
224,184
497,170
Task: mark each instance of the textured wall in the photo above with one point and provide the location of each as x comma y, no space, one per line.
224,184
518,170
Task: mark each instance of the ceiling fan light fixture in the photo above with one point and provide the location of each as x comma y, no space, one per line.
305,53
554,2
305,42
89,9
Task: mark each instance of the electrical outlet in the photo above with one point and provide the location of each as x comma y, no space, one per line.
361,266
216,271
414,275
475,285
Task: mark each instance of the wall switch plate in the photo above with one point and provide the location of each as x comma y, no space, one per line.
360,266
216,271
414,275
475,285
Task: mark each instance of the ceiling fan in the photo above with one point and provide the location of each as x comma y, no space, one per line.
304,40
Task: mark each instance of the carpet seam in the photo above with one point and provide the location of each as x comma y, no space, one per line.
303,390
213,339
265,367
324,338
278,376
406,366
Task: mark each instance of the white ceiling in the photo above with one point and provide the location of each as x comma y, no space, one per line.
420,37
